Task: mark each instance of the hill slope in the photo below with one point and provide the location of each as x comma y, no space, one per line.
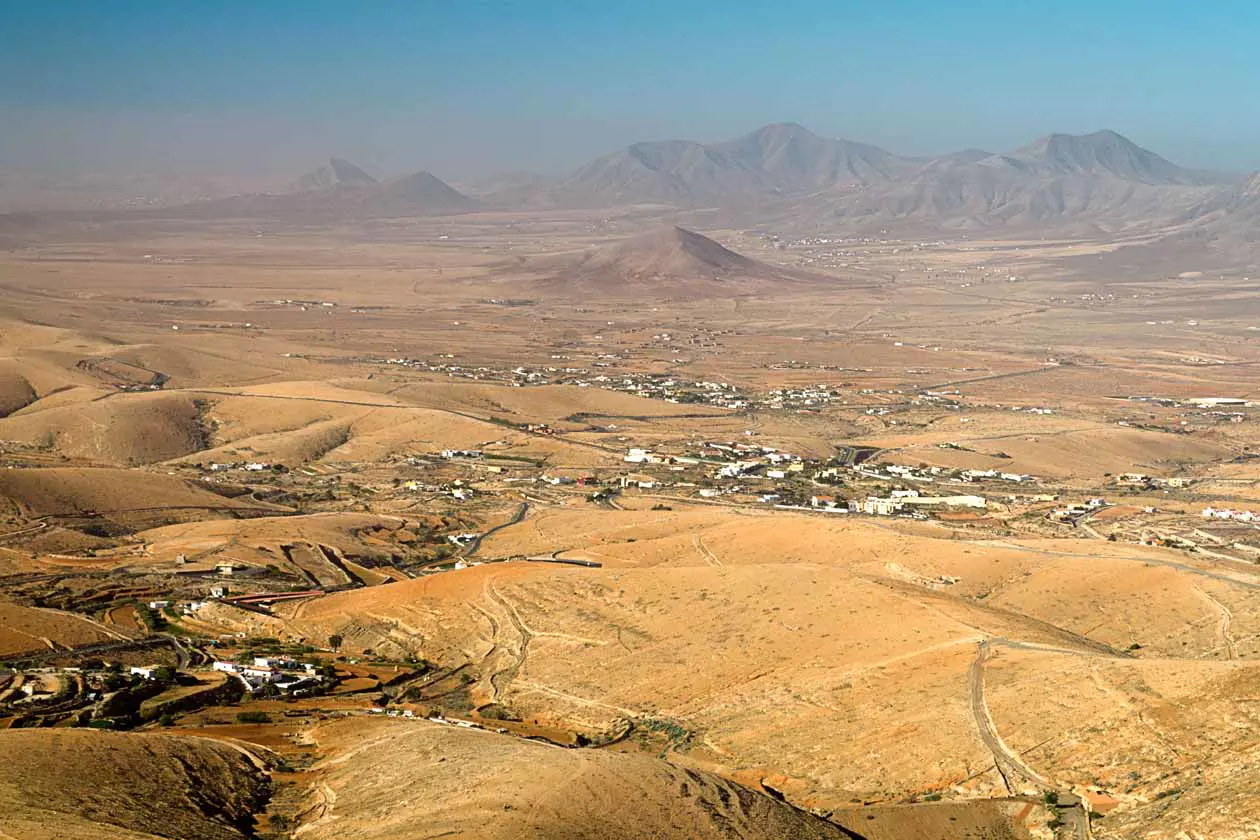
81,784
413,780
129,429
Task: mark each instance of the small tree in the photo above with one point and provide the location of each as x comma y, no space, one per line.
114,682
334,641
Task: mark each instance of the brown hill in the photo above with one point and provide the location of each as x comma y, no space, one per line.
116,494
128,429
27,629
401,780
79,784
15,391
672,252
671,260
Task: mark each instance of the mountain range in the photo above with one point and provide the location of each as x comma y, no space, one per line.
784,173
339,189
786,176
1102,179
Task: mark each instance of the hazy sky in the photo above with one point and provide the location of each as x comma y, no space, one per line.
463,87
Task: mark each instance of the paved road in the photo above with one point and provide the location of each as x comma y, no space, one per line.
475,545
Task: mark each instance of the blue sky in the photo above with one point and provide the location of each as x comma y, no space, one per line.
464,87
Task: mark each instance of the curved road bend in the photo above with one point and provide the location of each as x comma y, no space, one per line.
475,545
1015,773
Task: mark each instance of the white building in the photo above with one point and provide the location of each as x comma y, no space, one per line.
875,506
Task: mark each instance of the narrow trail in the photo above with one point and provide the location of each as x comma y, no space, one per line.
517,648
487,660
23,531
583,702
1247,582
1225,619
709,556
97,625
937,601
249,751
324,809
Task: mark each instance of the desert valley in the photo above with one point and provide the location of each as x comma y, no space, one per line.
783,487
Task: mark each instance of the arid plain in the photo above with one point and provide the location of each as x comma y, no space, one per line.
565,523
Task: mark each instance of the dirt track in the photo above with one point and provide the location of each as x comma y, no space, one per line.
1018,775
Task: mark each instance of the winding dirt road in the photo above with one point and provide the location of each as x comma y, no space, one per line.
1017,775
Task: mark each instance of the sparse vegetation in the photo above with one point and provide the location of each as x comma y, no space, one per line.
798,359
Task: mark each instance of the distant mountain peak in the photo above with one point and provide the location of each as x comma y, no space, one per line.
338,172
426,190
1105,138
1104,152
784,131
